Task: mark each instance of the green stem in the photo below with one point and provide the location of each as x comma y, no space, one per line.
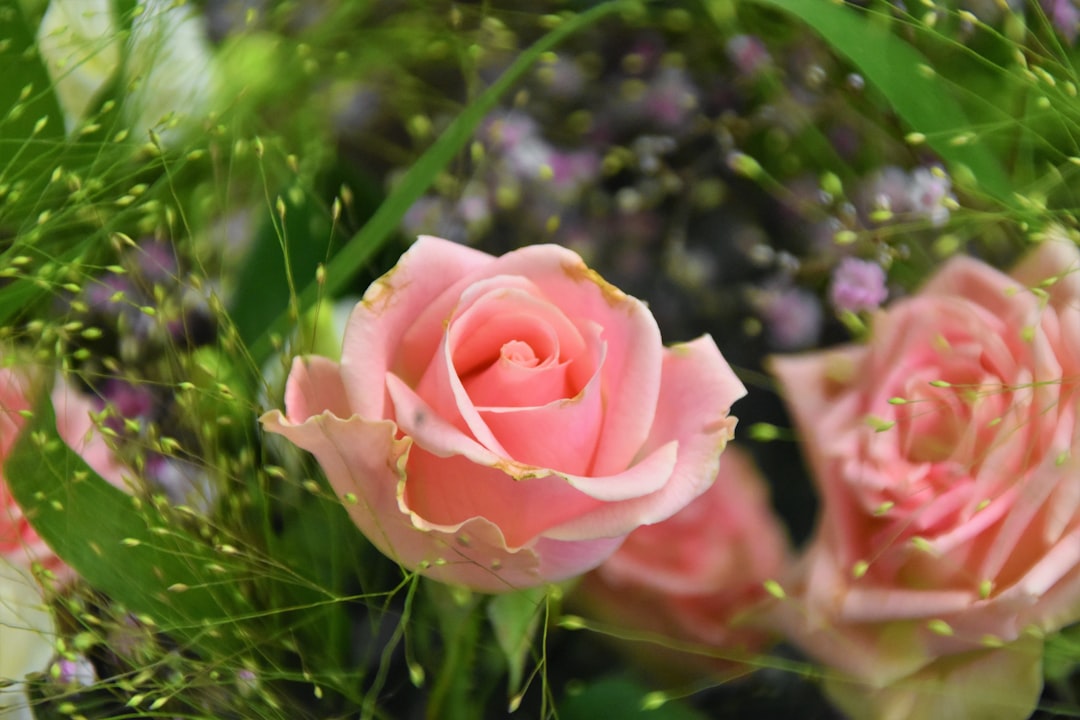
450,698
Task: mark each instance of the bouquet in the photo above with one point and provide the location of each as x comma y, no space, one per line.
670,360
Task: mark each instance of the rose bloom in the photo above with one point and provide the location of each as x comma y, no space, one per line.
27,635
945,451
19,543
695,576
498,423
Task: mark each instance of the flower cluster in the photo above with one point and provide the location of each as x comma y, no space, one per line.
499,478
943,451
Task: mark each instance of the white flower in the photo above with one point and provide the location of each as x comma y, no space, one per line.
78,41
170,71
930,194
27,634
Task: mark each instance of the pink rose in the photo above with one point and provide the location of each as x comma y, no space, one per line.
19,543
946,453
502,422
693,576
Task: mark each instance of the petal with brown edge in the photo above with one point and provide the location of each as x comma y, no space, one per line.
390,308
697,391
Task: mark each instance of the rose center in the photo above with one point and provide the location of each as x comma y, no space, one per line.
520,353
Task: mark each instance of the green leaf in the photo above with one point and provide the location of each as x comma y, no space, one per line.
24,291
920,98
514,618
1062,654
619,697
283,251
123,546
319,543
419,177
23,72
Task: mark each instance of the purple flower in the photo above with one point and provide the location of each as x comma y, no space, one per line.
748,54
857,285
129,402
792,316
1064,16
925,191
78,672
247,683
927,194
671,98
157,262
99,294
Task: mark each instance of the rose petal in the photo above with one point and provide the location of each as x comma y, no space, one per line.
1061,559
438,435
315,386
1014,537
819,379
364,462
503,309
379,322
440,438
968,279
456,382
633,339
697,390
873,604
1054,266
874,654
726,537
446,491
632,366
561,435
75,424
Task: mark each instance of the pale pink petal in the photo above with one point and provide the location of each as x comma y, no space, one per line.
439,498
75,424
563,560
1059,560
14,399
437,435
633,339
873,654
390,309
315,386
492,313
970,280
696,393
365,464
876,604
446,491
1015,533
811,383
724,539
440,438
1054,266
634,348
561,435
1057,607
502,310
